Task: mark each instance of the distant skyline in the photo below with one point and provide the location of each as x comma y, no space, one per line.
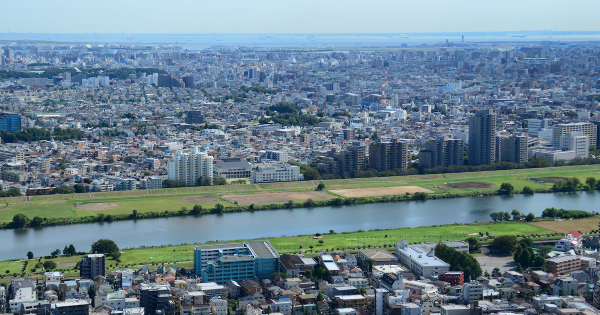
291,16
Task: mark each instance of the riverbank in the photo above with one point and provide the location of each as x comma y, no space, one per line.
182,255
127,205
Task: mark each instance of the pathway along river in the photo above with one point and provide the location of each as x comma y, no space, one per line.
246,225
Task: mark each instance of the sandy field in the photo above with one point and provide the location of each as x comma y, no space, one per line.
383,191
100,206
199,200
277,197
566,226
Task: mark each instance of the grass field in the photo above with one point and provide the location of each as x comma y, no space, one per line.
65,206
566,226
182,255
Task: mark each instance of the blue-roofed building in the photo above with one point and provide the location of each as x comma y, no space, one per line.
236,262
10,122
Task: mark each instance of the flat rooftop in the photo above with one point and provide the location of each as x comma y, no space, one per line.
219,246
263,250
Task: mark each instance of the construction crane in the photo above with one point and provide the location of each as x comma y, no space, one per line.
383,85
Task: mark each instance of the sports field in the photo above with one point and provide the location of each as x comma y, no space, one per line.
124,202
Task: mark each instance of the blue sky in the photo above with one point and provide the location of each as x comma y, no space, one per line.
291,16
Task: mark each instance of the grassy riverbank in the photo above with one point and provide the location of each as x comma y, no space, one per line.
182,255
123,203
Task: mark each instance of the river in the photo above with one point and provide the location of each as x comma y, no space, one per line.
246,225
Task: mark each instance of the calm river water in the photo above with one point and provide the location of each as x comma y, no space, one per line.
175,230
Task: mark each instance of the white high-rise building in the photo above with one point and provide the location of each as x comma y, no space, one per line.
188,167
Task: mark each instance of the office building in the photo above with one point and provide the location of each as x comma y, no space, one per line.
442,152
388,155
92,266
237,262
587,129
511,149
156,299
190,166
9,54
535,125
482,137
576,142
420,262
10,122
194,117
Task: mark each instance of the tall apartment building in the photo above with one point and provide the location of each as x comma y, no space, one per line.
156,299
387,155
169,80
189,81
188,167
346,161
275,155
194,117
442,152
237,262
93,265
511,149
587,129
482,137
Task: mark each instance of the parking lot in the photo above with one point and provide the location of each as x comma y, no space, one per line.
488,263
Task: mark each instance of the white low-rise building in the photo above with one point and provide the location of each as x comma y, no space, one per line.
420,262
23,295
276,173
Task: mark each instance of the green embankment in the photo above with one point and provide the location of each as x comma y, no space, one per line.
65,206
182,255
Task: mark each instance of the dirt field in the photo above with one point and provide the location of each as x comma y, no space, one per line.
548,179
566,226
384,191
473,185
277,197
100,206
198,200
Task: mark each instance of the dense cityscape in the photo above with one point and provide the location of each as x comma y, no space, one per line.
86,119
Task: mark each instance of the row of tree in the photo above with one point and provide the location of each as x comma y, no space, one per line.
516,215
37,134
459,261
566,214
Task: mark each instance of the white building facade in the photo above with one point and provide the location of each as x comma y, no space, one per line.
188,167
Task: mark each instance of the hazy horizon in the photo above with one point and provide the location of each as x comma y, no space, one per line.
303,17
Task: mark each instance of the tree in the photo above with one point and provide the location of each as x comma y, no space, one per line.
197,209
474,244
321,187
29,255
105,246
530,217
20,220
516,215
135,213
49,265
116,255
506,216
504,243
591,181
66,250
219,208
79,188
527,190
55,252
507,188
87,180
62,189
458,261
72,250
290,204
495,216
321,242
36,221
